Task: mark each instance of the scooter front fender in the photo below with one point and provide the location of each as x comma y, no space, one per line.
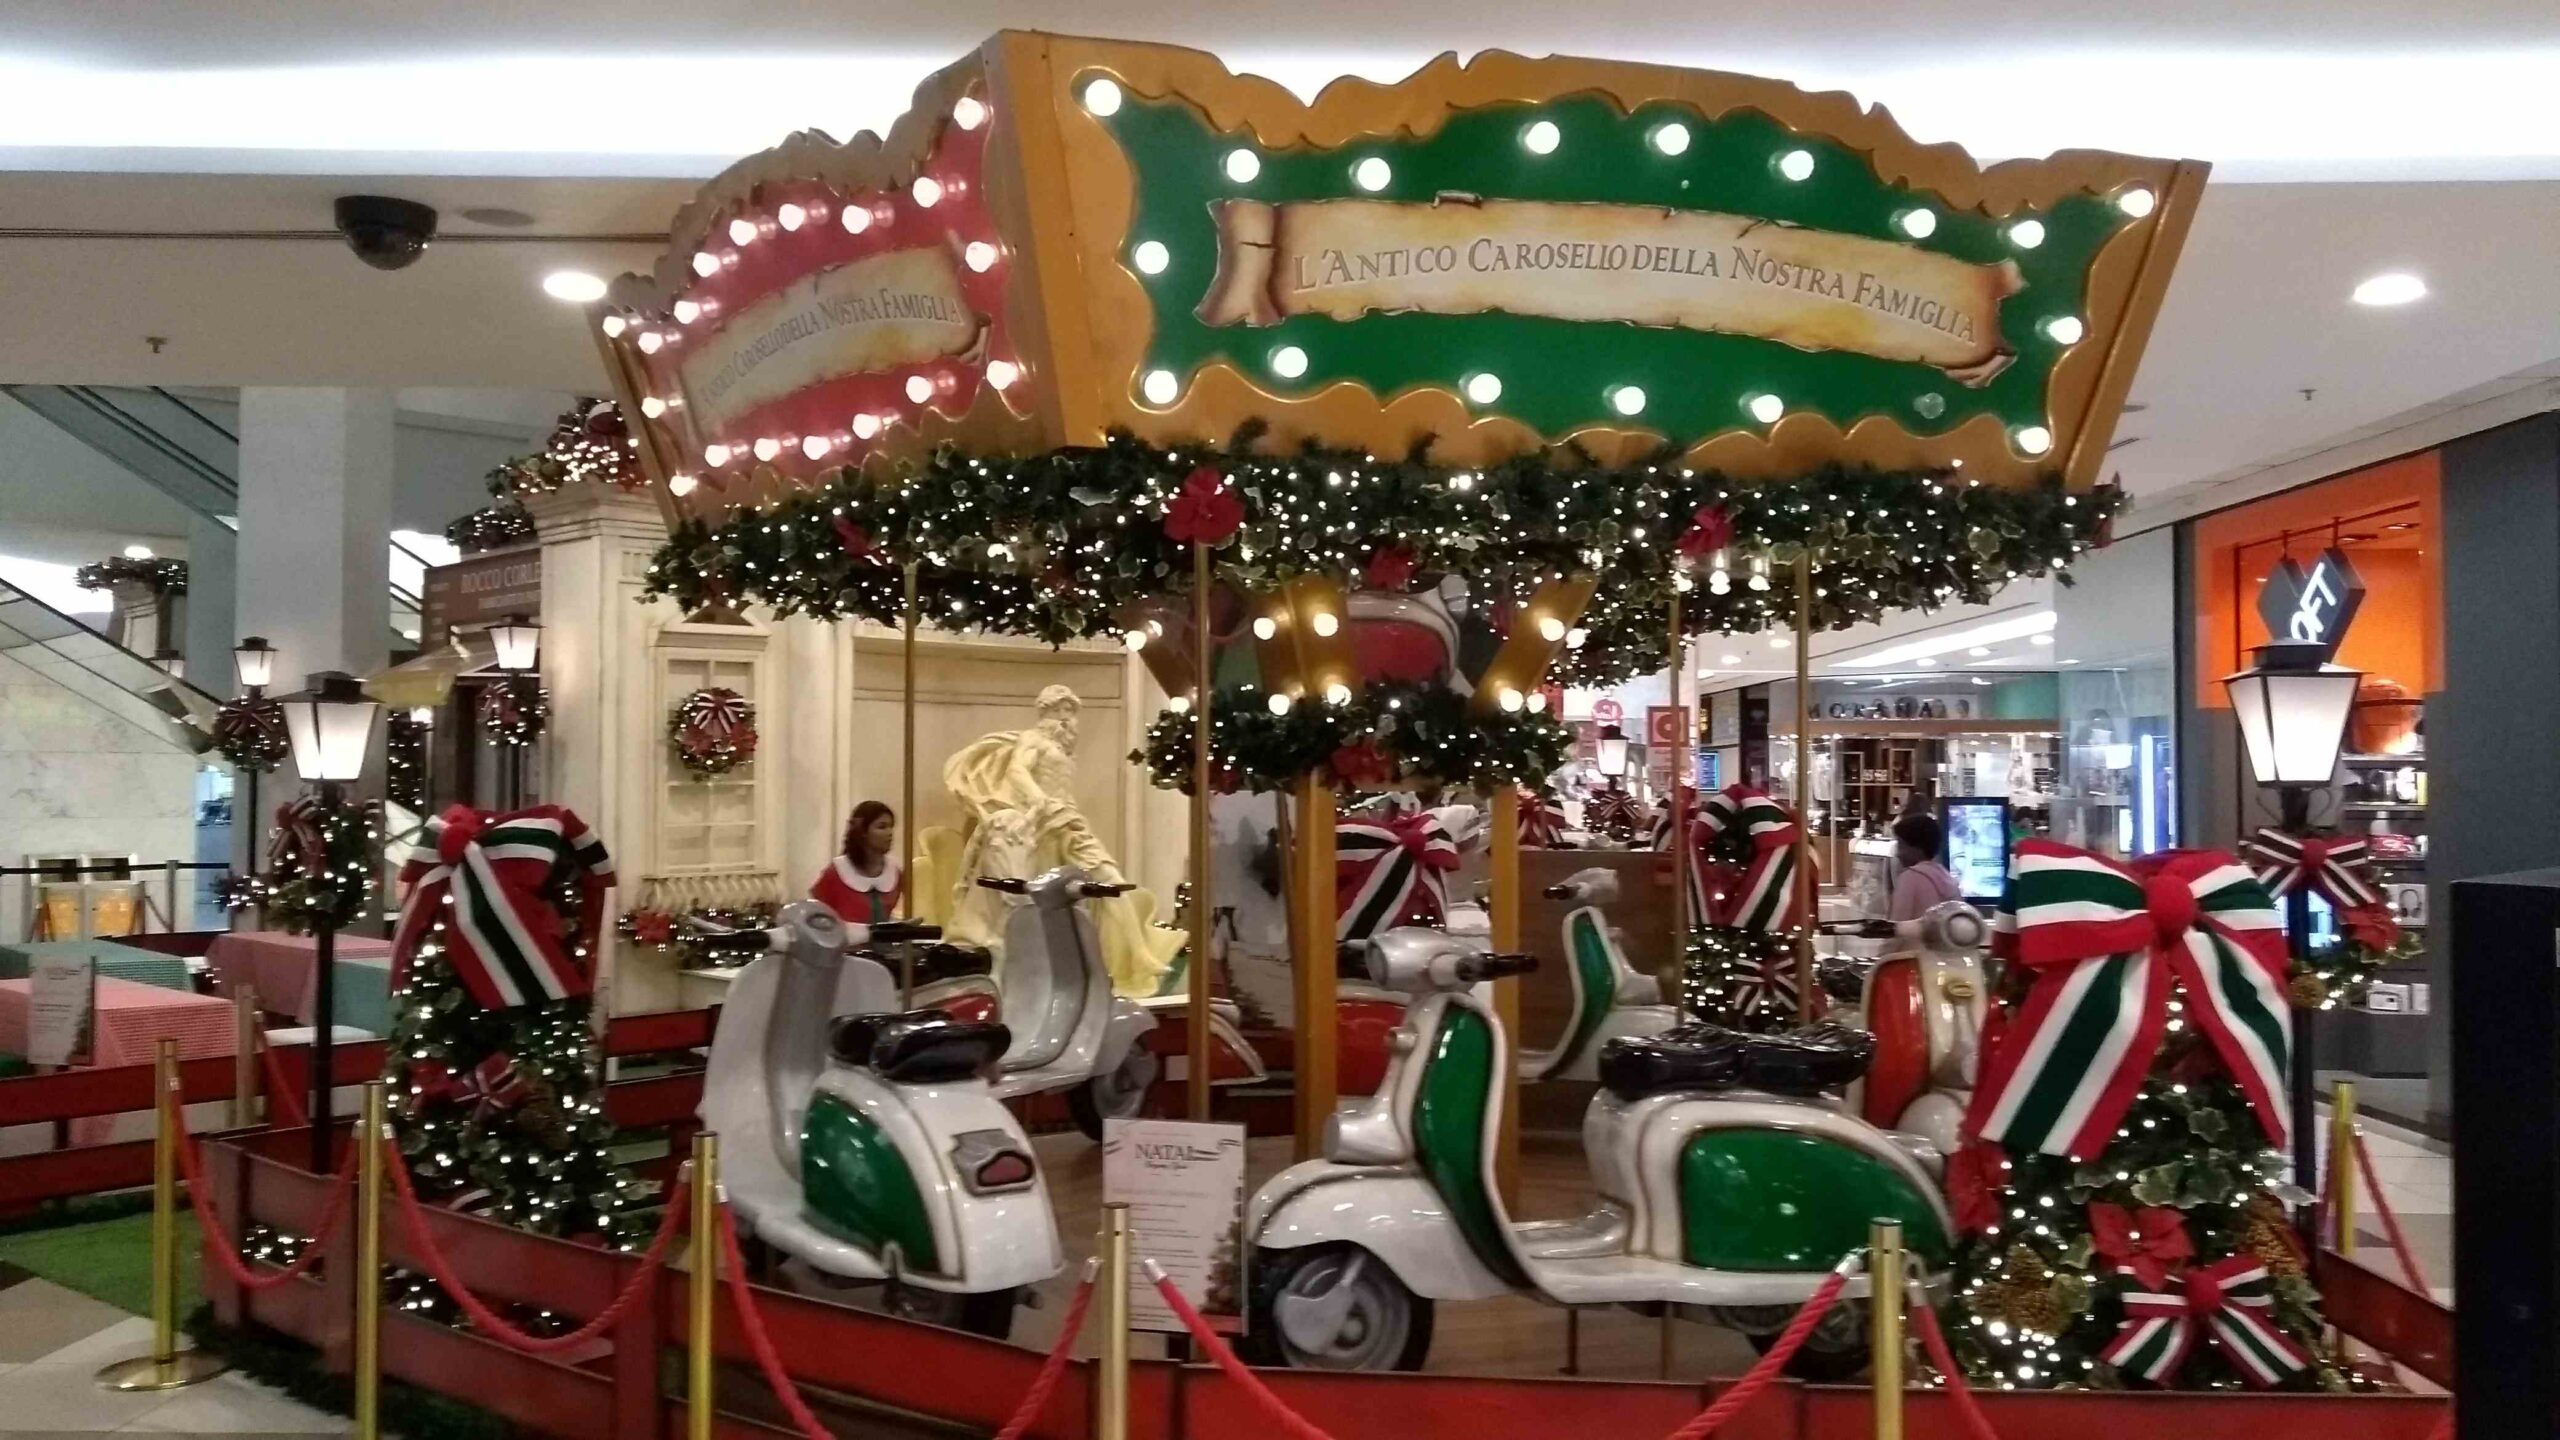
1388,1211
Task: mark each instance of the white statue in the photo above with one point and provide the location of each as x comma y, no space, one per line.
1017,790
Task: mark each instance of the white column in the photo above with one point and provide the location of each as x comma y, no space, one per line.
212,599
315,525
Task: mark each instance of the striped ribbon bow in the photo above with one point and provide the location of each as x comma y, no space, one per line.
1391,872
2105,945
1765,894
2334,866
297,844
1701,874
489,877
1611,811
2232,1300
1541,819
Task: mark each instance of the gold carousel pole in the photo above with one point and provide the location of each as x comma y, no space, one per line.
1804,784
907,823
1197,1031
1680,917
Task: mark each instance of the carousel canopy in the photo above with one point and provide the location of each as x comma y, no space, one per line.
1067,238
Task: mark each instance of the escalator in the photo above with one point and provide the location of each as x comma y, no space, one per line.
103,673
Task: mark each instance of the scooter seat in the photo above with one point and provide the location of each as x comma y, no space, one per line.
947,961
1805,1061
920,1047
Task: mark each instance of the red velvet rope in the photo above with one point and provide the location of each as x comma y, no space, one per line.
280,1091
758,1342
1924,1318
1052,1366
489,1321
218,1244
2390,1221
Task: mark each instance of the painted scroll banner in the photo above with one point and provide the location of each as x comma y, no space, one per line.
1691,270
903,307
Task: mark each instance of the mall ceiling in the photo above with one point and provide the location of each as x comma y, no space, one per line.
172,180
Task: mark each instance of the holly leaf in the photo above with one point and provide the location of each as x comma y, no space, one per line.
2209,1124
2157,1185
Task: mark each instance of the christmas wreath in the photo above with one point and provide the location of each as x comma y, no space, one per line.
1393,733
714,730
514,710
323,863
160,577
250,734
1054,545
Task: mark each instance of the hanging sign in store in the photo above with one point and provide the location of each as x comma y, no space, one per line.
1184,1185
1066,238
482,590
2312,605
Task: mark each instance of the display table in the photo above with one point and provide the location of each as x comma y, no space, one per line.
281,967
132,1019
121,962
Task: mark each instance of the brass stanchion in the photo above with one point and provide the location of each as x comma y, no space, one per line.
1111,1388
1884,1310
1806,995
246,1035
370,1133
703,1287
166,1367
907,823
1196,1031
2342,1165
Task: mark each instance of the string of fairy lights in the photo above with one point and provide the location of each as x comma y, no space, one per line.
1390,734
1058,546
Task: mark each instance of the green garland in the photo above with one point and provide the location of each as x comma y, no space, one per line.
492,527
2340,976
1055,545
342,886
1393,733
160,577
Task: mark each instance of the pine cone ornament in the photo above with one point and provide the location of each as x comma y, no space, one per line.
2265,1234
2307,991
2025,1297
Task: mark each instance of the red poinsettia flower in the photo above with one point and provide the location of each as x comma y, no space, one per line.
2372,927
1361,766
1974,1174
1710,530
2152,1241
1390,567
1205,511
652,927
1226,779
857,541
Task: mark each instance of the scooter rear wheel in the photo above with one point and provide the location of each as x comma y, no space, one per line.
989,1313
1120,1095
1381,1325
1835,1352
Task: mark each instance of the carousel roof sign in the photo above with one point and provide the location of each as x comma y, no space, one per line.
1066,237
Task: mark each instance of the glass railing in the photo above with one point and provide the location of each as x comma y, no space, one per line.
107,675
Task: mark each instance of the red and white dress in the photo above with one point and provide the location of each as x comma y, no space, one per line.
859,899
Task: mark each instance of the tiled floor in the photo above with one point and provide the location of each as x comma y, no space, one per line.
2417,1180
52,1344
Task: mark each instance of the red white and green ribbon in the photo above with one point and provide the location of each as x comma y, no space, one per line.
1391,872
1701,873
1611,811
490,878
496,1083
1765,893
1541,819
2232,1302
2106,946
2334,866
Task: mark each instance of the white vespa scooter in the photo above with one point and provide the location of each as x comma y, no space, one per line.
1726,1203
865,1144
1071,1030
1925,1004
1611,998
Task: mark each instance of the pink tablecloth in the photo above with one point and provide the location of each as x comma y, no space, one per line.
281,966
132,1020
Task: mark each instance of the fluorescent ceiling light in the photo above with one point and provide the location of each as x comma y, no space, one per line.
2397,287
1930,647
575,286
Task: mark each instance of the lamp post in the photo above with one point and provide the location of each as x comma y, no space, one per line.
254,661
518,640
331,726
2292,705
1611,756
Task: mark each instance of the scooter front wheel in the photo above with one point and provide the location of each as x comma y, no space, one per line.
1120,1095
1334,1307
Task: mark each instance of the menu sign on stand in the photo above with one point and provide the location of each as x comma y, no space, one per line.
62,1006
1184,1185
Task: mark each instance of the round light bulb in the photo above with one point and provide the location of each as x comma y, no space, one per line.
968,112
1325,623
919,389
767,447
2065,329
1671,138
680,485
1541,138
1242,165
1264,627
1576,638
1150,257
865,426
687,311
790,217
1537,702
613,326
855,219
1136,640
742,231
1767,408
1484,387
1002,373
1512,700
926,191
1919,224
1162,387
1337,693
653,407
1279,703
816,446
2033,439
2027,234
980,256
1796,165
715,456
2136,202
1288,362
705,264
1627,399
1550,629
1179,704
651,341
1102,97
1372,174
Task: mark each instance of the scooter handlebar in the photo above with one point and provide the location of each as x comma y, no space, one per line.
1097,890
901,932
1495,966
754,941
1006,884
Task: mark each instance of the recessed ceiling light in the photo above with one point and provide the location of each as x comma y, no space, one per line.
137,552
497,217
2039,639
575,286
1979,651
1728,660
2396,287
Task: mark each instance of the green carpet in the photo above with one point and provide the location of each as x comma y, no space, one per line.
107,1260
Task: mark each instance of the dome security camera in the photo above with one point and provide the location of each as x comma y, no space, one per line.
385,232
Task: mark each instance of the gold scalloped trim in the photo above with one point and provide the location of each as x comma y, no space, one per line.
2119,305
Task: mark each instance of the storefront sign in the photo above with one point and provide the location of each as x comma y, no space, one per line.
2312,606
1665,724
483,590
901,307
62,1006
1184,1185
1696,270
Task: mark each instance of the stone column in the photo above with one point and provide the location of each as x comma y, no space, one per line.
315,525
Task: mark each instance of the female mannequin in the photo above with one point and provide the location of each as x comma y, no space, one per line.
863,884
